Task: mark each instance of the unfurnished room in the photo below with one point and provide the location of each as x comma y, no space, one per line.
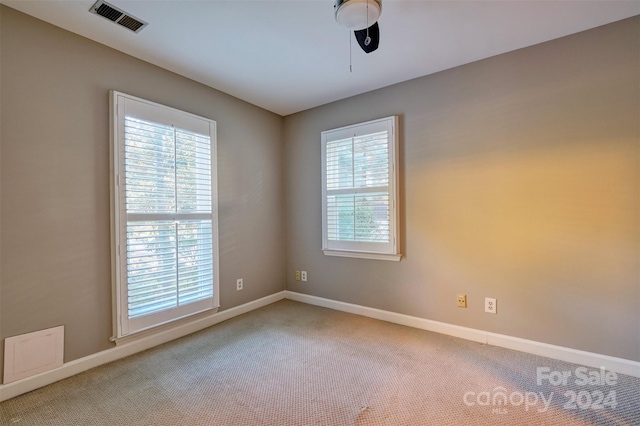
319,212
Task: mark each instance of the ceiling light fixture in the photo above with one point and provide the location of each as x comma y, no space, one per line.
361,16
357,14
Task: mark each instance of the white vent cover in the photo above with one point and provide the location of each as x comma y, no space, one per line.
33,353
119,16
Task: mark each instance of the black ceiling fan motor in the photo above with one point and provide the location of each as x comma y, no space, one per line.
369,38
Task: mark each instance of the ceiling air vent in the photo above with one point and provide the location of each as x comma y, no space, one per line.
119,16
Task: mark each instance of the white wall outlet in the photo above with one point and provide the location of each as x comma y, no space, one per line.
303,275
239,284
490,305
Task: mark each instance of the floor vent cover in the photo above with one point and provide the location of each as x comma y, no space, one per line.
119,16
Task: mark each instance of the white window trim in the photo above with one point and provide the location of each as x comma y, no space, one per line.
118,219
349,131
363,255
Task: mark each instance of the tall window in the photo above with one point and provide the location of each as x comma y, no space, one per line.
165,214
359,190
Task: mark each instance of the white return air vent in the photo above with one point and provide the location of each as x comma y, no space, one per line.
119,16
33,353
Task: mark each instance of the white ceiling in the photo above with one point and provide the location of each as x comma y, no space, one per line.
288,56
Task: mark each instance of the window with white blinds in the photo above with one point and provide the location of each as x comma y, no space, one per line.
359,186
165,222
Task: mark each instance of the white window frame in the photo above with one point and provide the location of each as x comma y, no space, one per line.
121,105
366,250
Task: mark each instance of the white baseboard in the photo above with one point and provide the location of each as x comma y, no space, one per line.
588,359
619,365
74,367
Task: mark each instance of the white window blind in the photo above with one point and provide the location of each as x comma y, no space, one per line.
359,190
165,214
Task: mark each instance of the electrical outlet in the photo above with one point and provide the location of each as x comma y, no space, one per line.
239,284
297,275
462,301
303,275
490,305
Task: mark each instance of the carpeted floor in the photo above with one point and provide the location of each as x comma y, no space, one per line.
296,364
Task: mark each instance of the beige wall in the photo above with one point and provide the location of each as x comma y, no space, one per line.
54,177
519,182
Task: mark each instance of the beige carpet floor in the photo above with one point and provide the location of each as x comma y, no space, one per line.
296,364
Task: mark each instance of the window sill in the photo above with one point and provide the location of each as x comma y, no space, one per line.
363,255
165,327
